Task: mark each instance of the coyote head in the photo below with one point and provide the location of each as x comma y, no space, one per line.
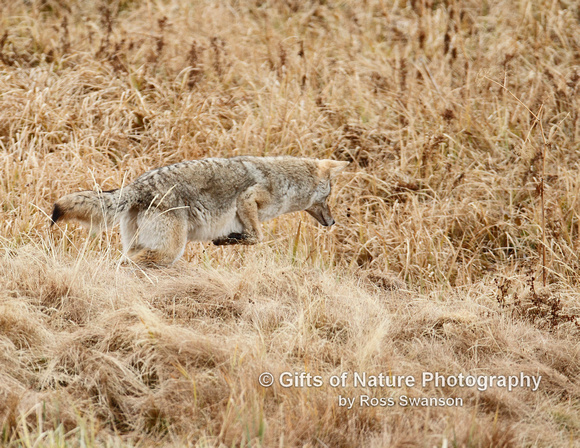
327,170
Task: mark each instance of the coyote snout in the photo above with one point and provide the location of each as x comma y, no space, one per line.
219,200
321,212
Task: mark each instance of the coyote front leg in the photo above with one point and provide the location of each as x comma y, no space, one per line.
248,215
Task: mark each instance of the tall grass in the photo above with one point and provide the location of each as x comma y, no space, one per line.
461,123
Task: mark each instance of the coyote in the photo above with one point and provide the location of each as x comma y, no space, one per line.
223,200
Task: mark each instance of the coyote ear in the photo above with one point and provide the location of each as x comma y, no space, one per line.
330,168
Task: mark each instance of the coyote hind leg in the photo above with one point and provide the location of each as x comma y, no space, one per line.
154,238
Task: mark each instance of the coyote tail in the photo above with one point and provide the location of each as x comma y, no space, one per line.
91,208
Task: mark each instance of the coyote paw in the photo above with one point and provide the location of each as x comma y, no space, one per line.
235,238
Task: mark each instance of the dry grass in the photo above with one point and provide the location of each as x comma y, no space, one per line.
434,263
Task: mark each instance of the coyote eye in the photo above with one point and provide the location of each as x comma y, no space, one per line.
324,188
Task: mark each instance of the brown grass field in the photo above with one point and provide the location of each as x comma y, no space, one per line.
461,122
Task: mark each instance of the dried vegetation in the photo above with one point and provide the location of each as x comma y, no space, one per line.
461,120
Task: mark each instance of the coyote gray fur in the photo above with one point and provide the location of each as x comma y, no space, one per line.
219,199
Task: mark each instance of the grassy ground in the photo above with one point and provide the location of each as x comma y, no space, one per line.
461,120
